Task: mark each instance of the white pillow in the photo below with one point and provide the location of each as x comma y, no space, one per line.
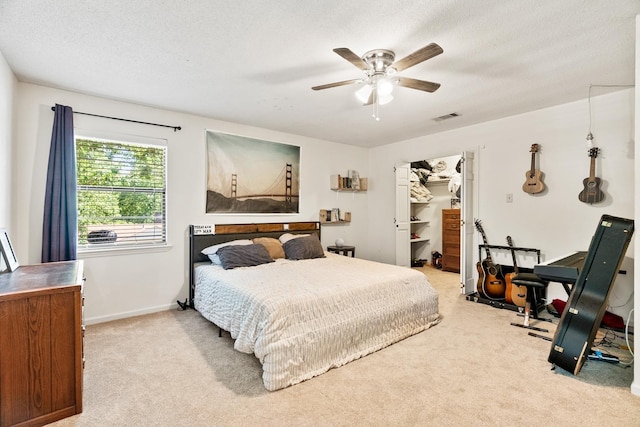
211,250
284,238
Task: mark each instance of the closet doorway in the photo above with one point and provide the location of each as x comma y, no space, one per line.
427,192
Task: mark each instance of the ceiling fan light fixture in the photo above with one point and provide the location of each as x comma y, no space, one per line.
384,99
384,87
364,93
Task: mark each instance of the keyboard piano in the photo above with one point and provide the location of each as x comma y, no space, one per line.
564,269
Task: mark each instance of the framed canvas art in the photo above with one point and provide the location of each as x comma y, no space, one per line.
251,176
8,253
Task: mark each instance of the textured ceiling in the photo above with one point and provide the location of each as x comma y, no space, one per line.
254,61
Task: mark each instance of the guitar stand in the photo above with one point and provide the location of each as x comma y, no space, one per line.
527,326
530,327
533,334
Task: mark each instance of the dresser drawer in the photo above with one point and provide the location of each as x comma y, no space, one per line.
451,226
448,215
451,263
451,250
449,238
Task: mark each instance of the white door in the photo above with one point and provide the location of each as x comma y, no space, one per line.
403,192
467,229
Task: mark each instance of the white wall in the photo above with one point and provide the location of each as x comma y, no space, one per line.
8,85
635,386
554,221
131,284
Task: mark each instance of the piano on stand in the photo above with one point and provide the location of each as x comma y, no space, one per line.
564,269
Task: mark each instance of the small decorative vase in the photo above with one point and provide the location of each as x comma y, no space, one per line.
339,242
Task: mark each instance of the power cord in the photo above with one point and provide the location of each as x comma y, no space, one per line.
626,333
613,340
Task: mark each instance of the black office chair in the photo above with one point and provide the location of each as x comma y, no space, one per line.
534,285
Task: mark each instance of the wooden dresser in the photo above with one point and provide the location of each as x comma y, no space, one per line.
41,335
451,240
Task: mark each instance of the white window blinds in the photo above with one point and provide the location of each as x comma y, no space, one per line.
121,194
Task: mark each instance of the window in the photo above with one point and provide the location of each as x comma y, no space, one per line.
121,194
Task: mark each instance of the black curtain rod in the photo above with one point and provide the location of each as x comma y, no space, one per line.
175,128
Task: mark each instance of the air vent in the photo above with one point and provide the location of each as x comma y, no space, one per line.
446,117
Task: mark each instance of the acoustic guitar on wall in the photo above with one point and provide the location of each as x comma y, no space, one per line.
592,192
534,183
514,294
490,279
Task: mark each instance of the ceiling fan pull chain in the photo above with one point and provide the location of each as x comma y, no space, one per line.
376,105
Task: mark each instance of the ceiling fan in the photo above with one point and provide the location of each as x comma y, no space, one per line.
381,74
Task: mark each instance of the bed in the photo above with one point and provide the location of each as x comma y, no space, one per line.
302,317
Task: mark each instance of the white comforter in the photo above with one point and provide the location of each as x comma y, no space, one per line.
301,318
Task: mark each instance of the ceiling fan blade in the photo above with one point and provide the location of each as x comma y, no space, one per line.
348,54
336,84
418,84
418,56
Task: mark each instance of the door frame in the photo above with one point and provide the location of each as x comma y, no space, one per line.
469,208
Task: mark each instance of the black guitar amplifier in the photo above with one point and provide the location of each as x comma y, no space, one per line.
587,303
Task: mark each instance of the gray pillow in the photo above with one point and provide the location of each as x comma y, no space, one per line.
304,248
243,256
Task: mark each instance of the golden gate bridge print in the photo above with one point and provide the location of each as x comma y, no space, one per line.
279,196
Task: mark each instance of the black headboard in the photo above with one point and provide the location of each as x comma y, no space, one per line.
228,232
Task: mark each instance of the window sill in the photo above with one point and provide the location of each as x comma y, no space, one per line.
114,251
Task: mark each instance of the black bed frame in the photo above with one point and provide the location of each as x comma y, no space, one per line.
227,232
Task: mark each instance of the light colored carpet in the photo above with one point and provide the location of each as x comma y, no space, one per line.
474,368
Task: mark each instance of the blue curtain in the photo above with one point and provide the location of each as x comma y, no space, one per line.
60,225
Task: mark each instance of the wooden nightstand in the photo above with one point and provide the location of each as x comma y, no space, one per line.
344,250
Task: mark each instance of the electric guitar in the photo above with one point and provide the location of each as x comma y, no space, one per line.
514,294
490,280
534,183
592,192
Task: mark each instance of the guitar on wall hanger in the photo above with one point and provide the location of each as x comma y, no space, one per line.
534,183
592,192
514,294
490,281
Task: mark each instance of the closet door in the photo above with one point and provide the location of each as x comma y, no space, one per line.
467,230
403,188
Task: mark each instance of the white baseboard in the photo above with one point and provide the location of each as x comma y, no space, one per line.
635,387
124,315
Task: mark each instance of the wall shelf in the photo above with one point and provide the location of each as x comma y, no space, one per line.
324,217
341,183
